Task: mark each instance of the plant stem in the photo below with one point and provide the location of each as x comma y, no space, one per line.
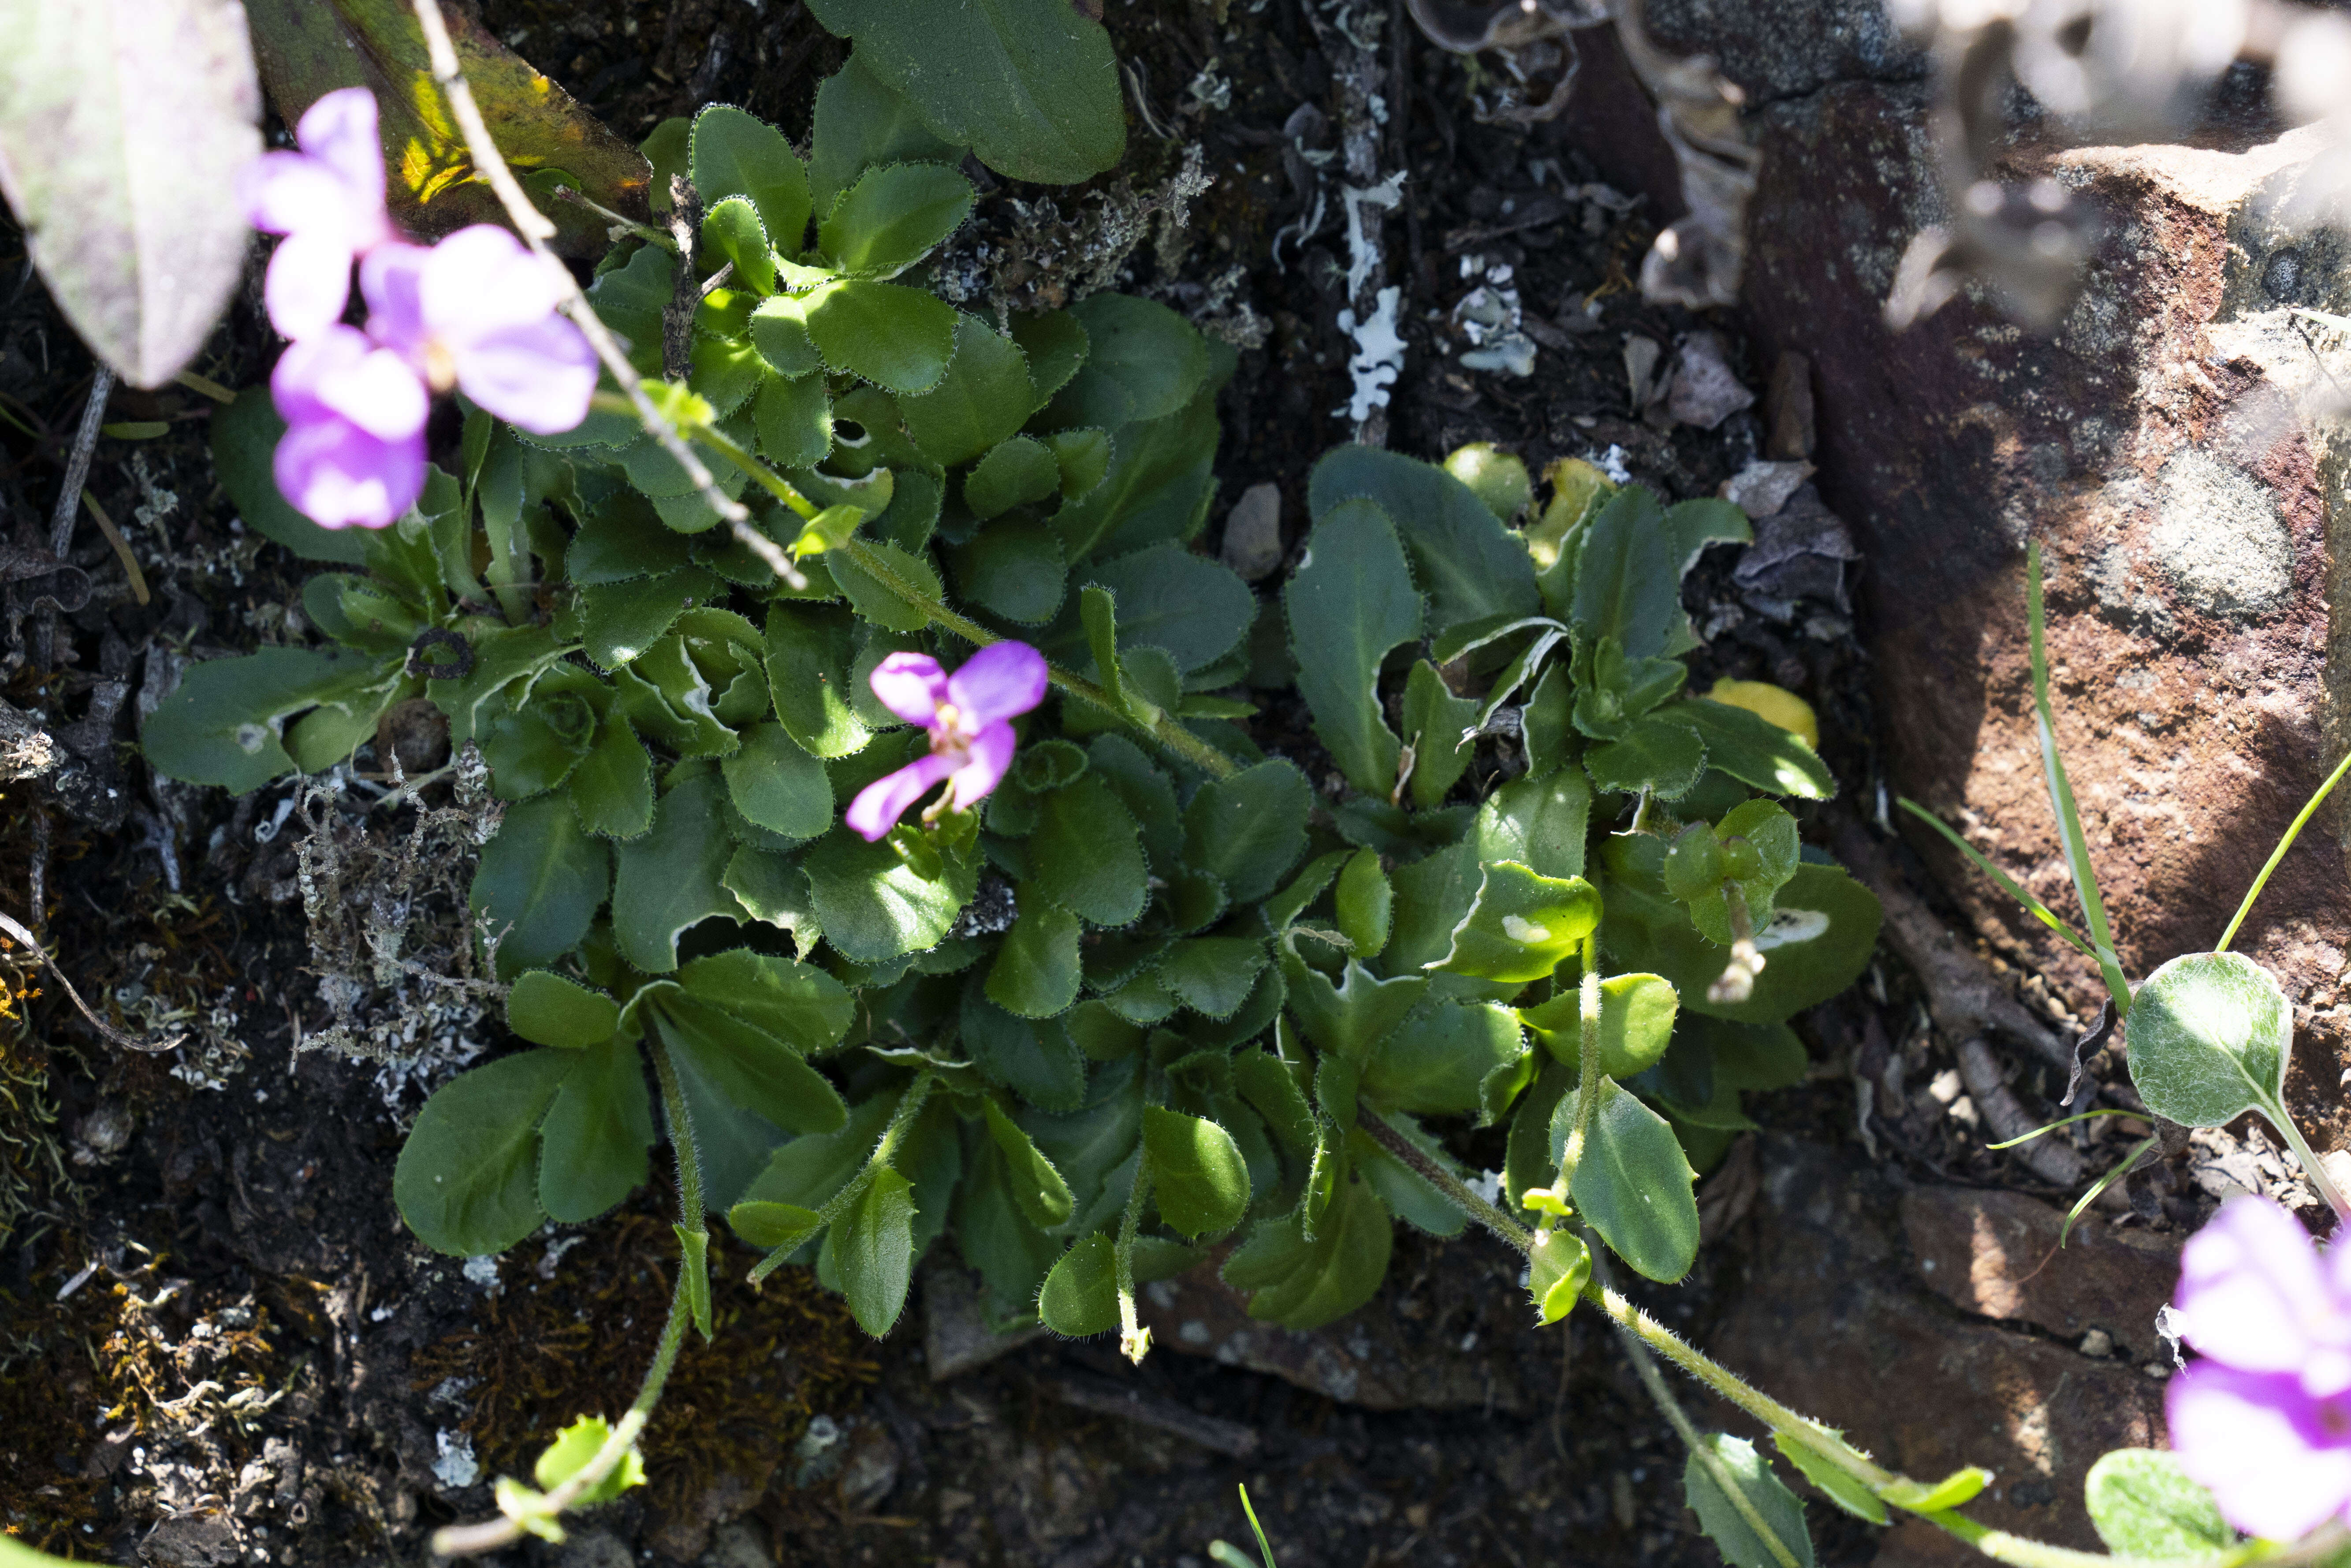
681,1134
1133,1339
909,1106
1166,731
766,479
2278,854
1587,1070
536,228
2283,1120
1458,1192
1654,1382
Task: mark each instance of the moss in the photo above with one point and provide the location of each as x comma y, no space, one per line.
547,1351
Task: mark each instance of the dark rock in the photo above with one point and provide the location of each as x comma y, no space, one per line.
1996,1253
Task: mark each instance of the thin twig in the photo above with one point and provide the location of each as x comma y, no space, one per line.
121,546
536,228
61,516
113,1036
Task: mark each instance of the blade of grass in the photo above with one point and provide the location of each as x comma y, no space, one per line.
2032,905
2278,854
2122,1168
2053,1126
2061,799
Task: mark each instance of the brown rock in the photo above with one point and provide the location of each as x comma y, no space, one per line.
1834,1324
1996,1254
2153,444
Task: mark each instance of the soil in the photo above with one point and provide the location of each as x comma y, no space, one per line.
216,1343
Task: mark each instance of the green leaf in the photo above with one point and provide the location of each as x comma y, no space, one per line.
221,725
570,1454
2144,1506
1437,1062
873,904
871,1246
794,419
1169,598
1783,1543
731,229
1955,1490
1773,833
244,436
736,154
1659,754
1212,975
548,1010
862,121
879,605
1346,1020
1249,830
1839,1485
612,787
809,649
984,397
1754,750
468,1179
669,878
1043,1197
1156,490
779,332
1470,566
540,881
1080,1294
1627,583
892,217
1029,85
1350,602
362,612
805,1008
1197,1176
1013,569
119,130
1084,458
1634,1184
1364,901
1521,924
1013,474
1557,1271
592,1144
1434,720
1304,1285
1540,820
1035,974
1086,854
899,339
1142,362
1636,1023
1823,928
1056,343
749,1067
777,785
2210,1033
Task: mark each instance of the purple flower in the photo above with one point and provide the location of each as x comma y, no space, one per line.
477,313
328,201
353,452
970,717
2265,1422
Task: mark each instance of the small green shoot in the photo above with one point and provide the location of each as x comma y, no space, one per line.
1225,1555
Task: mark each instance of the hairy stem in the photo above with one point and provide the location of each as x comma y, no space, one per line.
1457,1191
1166,731
909,1106
681,1135
1587,1069
1133,1339
535,228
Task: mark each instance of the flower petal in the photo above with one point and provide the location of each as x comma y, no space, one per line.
309,283
880,804
2252,1295
2261,1448
284,191
911,685
481,279
339,372
1003,680
340,132
340,476
538,377
992,754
